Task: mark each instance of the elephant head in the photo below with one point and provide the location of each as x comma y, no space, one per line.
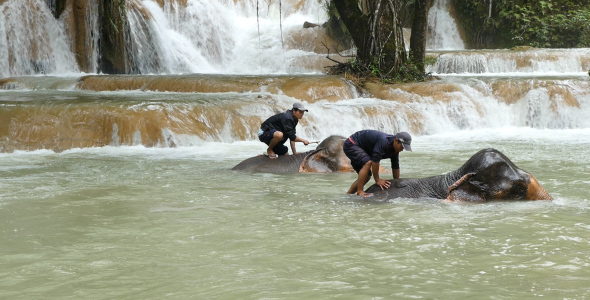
328,157
490,175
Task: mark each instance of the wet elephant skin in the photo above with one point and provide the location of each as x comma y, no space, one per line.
263,164
328,157
487,176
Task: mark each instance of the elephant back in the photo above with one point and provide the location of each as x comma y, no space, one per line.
263,164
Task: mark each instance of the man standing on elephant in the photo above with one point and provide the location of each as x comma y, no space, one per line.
366,148
276,129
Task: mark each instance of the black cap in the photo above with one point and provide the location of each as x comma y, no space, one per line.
299,106
406,139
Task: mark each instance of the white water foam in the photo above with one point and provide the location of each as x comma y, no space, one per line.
444,141
472,107
534,62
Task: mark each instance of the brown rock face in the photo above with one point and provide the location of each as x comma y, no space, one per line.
79,12
114,25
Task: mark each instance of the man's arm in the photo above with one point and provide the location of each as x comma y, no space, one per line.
298,139
395,173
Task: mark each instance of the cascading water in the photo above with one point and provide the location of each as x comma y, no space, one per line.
32,41
523,63
227,37
216,37
156,44
194,36
217,110
442,28
92,37
236,38
172,37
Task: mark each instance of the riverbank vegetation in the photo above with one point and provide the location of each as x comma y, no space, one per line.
508,23
484,24
376,30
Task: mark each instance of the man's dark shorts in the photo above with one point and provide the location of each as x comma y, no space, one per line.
358,156
279,149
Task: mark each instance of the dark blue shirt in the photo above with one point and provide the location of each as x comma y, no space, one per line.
378,145
284,122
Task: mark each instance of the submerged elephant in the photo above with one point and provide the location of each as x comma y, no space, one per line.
326,158
488,175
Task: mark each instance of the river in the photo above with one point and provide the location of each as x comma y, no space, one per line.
120,187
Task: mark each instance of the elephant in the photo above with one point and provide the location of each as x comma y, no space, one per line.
328,157
488,175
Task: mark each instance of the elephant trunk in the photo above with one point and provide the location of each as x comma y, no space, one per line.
535,191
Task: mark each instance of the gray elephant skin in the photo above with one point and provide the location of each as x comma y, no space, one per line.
487,176
328,157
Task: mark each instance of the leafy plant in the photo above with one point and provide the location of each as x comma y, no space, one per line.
545,23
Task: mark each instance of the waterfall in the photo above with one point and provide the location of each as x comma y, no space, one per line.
92,36
231,37
201,36
442,29
32,41
528,62
174,110
179,37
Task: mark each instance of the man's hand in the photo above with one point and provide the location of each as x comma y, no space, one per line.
305,142
383,184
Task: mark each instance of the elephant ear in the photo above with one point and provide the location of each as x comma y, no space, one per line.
318,161
328,157
467,188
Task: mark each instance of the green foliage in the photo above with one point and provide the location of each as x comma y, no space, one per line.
391,65
430,60
545,23
373,71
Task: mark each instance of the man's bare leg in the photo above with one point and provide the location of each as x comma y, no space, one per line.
359,184
353,187
276,138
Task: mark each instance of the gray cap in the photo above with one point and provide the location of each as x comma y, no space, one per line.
299,106
406,139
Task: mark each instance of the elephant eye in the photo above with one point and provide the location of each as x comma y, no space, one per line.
515,190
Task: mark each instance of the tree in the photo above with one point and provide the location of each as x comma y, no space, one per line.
418,38
377,34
